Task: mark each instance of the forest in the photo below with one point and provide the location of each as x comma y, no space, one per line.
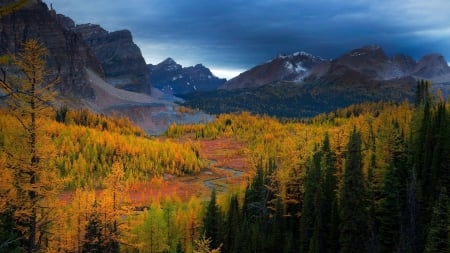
371,177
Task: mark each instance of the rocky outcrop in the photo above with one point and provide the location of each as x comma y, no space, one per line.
68,54
120,58
172,78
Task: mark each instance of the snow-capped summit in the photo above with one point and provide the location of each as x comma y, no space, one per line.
289,68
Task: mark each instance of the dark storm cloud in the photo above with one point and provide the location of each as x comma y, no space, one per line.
236,34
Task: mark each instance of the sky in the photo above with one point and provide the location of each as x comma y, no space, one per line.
231,36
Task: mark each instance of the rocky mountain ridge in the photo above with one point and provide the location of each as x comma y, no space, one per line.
83,81
369,63
372,62
174,79
68,55
283,68
120,57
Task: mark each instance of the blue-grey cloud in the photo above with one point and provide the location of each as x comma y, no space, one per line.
237,34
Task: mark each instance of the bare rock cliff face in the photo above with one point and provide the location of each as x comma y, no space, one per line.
69,55
120,57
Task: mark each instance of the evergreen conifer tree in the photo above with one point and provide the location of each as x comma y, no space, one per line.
438,239
212,221
389,213
329,223
353,208
310,206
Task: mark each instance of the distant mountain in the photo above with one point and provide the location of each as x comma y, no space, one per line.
284,68
120,57
369,63
302,85
172,78
372,63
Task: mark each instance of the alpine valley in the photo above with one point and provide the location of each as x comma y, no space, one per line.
105,72
101,151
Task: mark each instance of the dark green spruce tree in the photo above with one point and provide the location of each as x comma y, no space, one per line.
353,207
231,233
212,221
311,202
431,157
330,218
93,239
389,213
438,238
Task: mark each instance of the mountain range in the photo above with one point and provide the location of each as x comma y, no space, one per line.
303,85
106,72
369,62
172,78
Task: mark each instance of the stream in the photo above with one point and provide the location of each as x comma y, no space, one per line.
220,183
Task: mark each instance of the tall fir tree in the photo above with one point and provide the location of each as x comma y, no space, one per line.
232,227
353,207
329,209
389,213
438,238
212,221
311,202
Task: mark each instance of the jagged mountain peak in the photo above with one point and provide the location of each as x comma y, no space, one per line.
296,57
172,78
167,65
433,66
356,66
168,61
200,66
120,57
434,57
289,68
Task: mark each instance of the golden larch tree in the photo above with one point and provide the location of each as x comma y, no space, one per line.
24,83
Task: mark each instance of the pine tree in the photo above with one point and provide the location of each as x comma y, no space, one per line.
438,239
232,227
212,221
277,237
353,208
256,195
93,236
311,201
389,213
329,221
